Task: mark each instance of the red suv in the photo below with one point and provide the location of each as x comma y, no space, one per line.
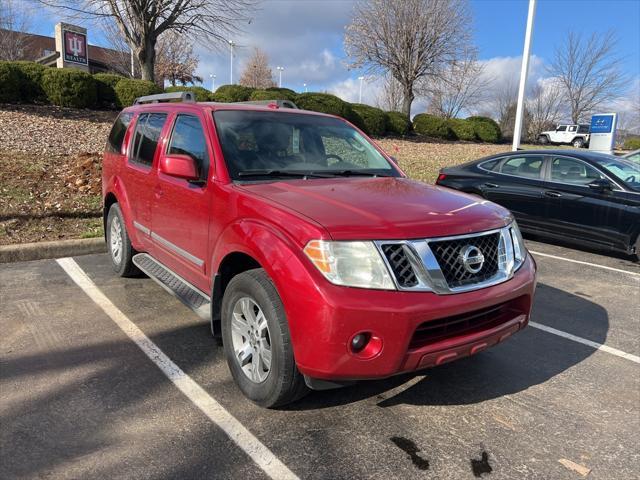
314,257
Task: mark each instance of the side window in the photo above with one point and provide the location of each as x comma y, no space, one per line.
572,128
188,138
562,128
529,167
574,172
118,131
145,141
491,165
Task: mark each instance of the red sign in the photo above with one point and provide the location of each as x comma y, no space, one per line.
75,47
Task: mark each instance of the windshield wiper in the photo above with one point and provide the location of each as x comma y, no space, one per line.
279,173
350,173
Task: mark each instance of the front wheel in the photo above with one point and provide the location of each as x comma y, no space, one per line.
543,140
256,339
578,142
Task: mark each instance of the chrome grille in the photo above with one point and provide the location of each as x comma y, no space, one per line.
400,265
448,254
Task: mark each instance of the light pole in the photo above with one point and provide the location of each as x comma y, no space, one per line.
517,129
213,82
231,44
360,95
280,70
305,87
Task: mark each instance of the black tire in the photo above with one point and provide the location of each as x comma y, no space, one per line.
284,383
543,140
637,255
122,264
578,142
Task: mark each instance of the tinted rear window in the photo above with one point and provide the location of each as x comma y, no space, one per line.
119,129
148,129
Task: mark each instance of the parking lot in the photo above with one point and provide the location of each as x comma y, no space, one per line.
103,377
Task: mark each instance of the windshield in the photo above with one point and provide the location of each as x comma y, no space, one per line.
278,144
627,171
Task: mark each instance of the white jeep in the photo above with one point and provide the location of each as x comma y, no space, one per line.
576,135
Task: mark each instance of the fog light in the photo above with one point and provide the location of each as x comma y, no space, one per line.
359,342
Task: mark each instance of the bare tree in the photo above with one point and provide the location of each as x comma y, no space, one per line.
141,22
257,73
411,39
390,97
175,60
15,20
118,52
589,71
544,105
461,87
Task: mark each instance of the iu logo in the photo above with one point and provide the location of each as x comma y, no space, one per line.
75,47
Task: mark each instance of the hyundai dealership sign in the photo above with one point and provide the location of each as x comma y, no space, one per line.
603,132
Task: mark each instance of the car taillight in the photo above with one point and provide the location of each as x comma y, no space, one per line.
441,177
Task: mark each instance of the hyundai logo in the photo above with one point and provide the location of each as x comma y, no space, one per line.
471,258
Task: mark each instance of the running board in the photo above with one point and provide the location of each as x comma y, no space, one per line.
191,296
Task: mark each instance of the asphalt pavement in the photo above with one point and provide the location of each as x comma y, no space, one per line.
79,398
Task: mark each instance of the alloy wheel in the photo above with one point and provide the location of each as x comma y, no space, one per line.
251,339
115,240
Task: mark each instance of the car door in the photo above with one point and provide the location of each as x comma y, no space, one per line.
559,135
517,185
578,211
139,176
180,211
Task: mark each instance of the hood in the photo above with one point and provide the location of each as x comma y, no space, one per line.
383,208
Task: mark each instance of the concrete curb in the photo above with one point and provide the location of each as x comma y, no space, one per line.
25,252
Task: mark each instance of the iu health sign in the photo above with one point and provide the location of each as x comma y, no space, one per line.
75,47
603,132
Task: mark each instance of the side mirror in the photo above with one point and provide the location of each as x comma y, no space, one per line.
179,166
601,185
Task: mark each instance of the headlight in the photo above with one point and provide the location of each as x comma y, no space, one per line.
352,264
519,250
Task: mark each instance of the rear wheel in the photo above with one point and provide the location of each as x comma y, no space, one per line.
543,140
119,245
256,340
638,249
578,142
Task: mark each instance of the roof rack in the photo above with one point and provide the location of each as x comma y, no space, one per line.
165,97
278,103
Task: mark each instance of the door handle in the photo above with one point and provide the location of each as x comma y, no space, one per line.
491,185
551,193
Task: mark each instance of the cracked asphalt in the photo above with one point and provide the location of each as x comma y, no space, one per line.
79,399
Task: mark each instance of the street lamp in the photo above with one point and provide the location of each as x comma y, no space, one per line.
305,87
280,70
231,44
213,82
360,96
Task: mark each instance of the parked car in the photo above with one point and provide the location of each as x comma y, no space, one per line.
313,256
588,198
633,157
576,135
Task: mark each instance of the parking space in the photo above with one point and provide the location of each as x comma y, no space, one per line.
81,400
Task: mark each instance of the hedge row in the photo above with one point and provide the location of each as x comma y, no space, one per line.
33,83
472,129
632,143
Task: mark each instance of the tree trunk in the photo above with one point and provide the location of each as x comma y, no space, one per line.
147,58
407,100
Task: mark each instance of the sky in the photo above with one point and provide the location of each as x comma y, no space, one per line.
306,38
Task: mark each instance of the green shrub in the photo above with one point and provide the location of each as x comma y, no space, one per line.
201,93
463,129
486,129
106,88
9,83
232,93
69,87
268,95
632,143
327,103
285,93
374,119
433,126
398,123
31,81
128,89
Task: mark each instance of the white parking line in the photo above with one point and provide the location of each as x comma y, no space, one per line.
258,452
584,341
604,267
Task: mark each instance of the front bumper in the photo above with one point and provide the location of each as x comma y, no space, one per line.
414,328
